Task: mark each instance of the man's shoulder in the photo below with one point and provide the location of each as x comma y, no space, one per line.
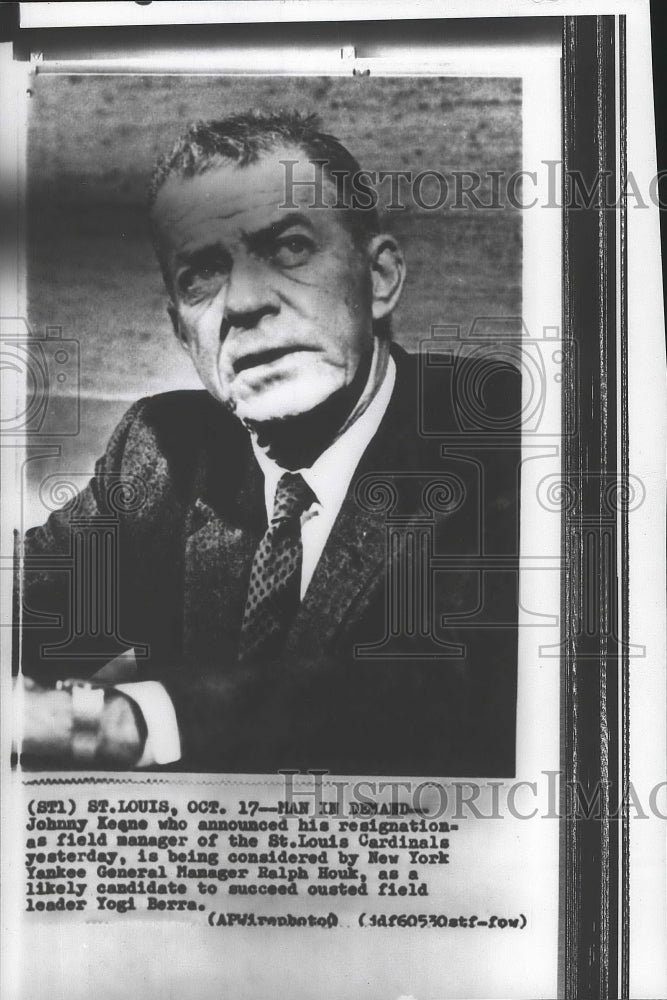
177,406
166,432
468,398
174,416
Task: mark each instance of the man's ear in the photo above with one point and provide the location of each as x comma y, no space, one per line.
387,274
176,326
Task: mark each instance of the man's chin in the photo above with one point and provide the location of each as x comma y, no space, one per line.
273,406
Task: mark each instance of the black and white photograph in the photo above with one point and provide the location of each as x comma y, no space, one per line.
332,547
311,561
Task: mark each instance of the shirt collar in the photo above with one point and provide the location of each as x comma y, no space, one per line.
329,476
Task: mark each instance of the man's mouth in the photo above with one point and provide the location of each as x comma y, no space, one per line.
263,358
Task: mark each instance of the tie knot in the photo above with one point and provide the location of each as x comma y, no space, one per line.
293,497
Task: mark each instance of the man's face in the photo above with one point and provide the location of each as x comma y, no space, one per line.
274,305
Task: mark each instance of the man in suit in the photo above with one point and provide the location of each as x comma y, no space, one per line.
307,577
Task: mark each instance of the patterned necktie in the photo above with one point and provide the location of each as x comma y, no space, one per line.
275,577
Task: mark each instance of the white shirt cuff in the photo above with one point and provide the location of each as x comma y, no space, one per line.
163,742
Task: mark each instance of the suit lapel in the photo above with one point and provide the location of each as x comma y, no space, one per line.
355,551
355,557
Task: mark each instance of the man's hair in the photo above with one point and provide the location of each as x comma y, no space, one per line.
244,138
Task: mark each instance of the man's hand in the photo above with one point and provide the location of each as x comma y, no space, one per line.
49,725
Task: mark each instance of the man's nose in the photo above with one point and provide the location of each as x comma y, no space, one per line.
249,295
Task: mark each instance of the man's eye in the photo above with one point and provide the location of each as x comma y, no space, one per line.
198,280
293,250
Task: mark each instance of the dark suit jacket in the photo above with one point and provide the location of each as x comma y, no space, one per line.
402,657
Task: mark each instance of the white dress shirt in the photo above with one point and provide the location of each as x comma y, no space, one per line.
329,478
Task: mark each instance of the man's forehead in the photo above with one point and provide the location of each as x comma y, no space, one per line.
278,181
